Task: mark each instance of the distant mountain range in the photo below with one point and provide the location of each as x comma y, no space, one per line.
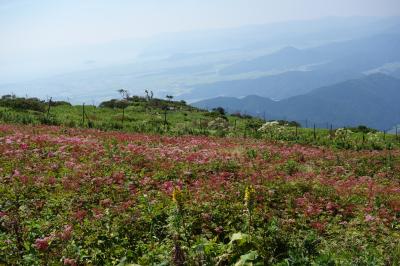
362,54
305,70
373,100
276,60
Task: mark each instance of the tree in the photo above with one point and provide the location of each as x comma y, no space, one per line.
149,95
219,110
169,97
124,94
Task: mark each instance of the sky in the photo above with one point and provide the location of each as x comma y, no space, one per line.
31,27
41,24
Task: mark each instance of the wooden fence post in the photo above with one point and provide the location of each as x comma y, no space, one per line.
48,109
83,114
123,116
315,135
165,118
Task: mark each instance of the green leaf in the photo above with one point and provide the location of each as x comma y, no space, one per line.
247,258
239,238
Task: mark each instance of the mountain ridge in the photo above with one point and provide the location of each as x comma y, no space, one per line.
372,100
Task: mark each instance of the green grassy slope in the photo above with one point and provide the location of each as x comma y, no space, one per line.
178,118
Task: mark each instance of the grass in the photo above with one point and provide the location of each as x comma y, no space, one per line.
181,119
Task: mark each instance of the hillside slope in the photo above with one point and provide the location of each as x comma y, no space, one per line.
294,72
372,100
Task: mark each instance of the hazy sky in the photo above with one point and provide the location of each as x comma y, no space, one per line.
45,37
27,25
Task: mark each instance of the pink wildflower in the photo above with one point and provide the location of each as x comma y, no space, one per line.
70,262
24,179
369,218
132,189
319,226
42,243
16,173
219,229
168,187
67,233
80,215
105,202
24,146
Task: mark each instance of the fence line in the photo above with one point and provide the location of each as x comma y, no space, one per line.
305,122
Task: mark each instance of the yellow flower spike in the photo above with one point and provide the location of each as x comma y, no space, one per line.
177,196
249,196
174,192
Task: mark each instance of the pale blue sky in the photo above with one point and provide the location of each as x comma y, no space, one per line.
27,25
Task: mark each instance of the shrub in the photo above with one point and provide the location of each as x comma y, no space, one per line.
114,103
23,103
219,110
363,129
218,124
60,103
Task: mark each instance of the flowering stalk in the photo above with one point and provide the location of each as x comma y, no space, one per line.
177,198
249,201
178,255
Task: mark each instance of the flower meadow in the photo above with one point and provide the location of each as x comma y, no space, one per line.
86,197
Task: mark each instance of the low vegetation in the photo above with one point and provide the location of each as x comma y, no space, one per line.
89,197
168,117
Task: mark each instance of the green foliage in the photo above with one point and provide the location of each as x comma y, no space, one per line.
24,104
115,104
362,129
219,110
290,167
152,115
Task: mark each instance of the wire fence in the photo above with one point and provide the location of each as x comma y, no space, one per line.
312,132
304,122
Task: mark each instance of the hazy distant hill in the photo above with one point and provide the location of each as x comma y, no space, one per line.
396,73
301,33
362,54
325,65
275,86
373,100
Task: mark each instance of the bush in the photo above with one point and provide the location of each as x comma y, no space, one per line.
244,116
23,103
363,129
289,123
59,103
219,110
253,124
49,120
218,124
114,103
